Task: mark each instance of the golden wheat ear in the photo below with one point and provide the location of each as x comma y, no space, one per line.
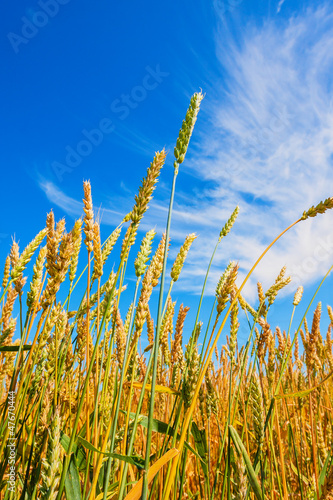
318,209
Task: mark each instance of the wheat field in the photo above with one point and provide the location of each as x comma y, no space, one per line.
85,415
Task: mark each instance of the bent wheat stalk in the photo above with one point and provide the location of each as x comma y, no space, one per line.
320,208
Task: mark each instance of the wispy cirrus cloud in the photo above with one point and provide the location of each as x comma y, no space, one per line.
278,9
267,146
270,143
74,207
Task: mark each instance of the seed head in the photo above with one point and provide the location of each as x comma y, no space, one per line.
77,240
60,271
24,259
330,313
230,222
187,129
89,216
246,306
110,243
226,288
234,326
120,336
53,240
14,254
166,329
7,309
318,209
142,307
180,259
52,464
32,295
224,277
298,296
257,411
98,263
6,273
157,262
193,360
140,263
147,187
177,359
280,283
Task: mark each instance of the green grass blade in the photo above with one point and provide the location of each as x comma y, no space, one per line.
72,481
253,479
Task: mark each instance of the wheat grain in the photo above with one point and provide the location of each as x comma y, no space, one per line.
147,187
318,209
140,263
182,254
89,216
6,272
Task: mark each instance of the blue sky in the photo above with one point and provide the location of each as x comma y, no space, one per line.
90,90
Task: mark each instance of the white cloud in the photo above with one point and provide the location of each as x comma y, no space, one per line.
73,207
268,147
281,2
270,143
